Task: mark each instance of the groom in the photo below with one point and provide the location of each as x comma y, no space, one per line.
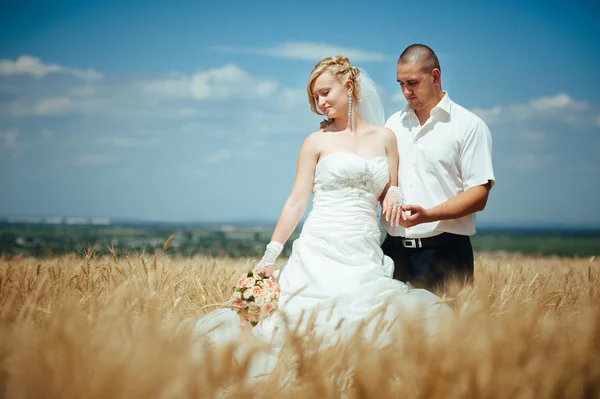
445,174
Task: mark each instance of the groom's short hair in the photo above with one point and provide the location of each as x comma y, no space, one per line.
421,54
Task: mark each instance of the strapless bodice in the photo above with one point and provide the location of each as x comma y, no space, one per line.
346,190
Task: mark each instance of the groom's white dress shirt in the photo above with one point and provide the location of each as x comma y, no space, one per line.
449,154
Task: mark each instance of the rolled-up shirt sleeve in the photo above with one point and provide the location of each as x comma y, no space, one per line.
476,156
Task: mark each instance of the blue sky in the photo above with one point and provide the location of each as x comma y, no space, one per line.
195,112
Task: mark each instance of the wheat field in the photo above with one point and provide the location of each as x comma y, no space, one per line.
81,326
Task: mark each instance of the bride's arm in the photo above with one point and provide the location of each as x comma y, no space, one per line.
391,198
294,206
391,150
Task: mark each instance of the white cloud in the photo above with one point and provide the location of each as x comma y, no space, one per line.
173,87
54,106
298,120
93,159
28,65
490,115
198,135
192,171
218,156
122,142
292,99
533,137
187,112
9,138
558,101
47,135
128,141
258,143
206,130
228,81
527,162
250,154
43,107
128,114
585,168
560,106
265,88
82,91
308,51
253,149
173,96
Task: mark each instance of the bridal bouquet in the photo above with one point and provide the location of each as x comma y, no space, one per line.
254,297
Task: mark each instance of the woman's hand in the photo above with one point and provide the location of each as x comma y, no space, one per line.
265,266
392,206
266,270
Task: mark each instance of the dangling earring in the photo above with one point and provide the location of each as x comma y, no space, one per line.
350,111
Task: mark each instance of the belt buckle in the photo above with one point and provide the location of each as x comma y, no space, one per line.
411,243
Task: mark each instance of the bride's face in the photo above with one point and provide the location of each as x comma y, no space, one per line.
330,96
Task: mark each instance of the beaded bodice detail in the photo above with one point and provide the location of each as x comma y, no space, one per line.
348,171
361,181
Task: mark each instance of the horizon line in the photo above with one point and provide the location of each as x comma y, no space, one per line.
63,220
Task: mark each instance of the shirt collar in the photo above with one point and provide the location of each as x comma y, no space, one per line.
444,105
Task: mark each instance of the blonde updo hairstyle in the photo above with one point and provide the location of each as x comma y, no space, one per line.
341,69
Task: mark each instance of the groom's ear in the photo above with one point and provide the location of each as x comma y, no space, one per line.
437,75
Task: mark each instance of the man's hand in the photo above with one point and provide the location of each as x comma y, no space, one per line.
415,215
468,202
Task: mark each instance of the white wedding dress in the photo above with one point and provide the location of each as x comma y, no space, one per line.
337,270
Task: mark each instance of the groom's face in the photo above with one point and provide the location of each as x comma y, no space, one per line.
416,84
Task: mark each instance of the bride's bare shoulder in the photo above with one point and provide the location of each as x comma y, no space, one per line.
315,137
313,141
384,131
387,135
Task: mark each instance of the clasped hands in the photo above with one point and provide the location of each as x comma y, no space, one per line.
397,213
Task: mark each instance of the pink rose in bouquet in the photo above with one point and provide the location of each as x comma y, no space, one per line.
256,291
254,297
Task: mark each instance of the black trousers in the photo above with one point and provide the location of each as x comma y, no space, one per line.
442,260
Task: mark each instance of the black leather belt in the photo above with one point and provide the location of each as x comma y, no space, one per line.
440,240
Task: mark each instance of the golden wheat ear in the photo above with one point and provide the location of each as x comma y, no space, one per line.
89,326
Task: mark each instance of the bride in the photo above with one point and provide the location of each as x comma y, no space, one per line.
337,275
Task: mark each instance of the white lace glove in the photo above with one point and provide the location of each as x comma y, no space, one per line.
399,198
392,206
272,251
